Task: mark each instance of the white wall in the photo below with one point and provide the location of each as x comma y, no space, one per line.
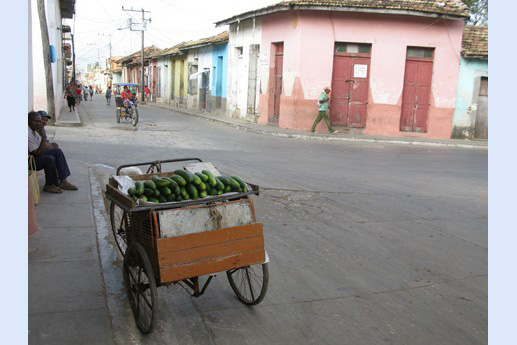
243,35
31,73
163,68
38,94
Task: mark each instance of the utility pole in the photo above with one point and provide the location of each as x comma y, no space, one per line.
142,29
73,59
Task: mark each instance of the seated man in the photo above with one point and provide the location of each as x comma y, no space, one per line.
48,157
44,120
127,97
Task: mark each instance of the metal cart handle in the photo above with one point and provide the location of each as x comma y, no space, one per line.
157,163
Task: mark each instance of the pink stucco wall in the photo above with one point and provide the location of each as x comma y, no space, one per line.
309,38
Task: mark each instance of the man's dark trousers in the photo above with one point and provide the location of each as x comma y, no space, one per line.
55,165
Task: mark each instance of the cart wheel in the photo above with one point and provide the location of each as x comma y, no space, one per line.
140,287
134,117
249,283
119,225
118,115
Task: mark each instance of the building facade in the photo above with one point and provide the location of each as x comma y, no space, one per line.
243,70
393,68
55,12
471,113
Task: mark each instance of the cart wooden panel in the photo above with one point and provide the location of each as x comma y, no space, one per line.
208,252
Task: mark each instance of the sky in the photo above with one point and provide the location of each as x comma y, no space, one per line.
172,22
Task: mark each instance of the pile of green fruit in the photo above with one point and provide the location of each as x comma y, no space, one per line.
184,185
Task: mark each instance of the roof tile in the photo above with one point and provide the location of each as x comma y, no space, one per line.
475,42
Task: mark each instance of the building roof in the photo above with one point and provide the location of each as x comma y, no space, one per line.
475,42
136,57
180,47
446,8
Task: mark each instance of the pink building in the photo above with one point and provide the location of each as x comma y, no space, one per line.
392,65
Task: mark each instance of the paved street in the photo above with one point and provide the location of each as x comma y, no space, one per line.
369,243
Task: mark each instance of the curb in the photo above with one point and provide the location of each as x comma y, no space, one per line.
325,137
73,123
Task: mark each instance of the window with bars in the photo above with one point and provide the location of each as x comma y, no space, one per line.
420,53
345,47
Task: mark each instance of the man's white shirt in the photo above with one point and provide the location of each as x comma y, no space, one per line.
34,140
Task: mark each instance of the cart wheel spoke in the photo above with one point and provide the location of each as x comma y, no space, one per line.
249,283
119,226
140,287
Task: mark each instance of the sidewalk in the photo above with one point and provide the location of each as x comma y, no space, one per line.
67,302
287,133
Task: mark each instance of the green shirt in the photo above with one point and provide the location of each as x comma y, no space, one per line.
325,105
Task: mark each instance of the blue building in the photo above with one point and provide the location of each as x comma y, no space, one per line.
471,113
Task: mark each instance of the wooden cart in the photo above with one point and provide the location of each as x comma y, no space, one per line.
164,244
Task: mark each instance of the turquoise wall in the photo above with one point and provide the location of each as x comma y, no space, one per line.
471,70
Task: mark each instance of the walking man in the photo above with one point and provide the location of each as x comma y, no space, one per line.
323,109
108,95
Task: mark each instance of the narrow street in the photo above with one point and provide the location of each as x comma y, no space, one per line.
368,243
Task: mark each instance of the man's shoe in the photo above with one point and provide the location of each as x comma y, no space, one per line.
52,189
337,131
67,186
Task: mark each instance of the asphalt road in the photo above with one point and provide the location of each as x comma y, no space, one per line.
368,243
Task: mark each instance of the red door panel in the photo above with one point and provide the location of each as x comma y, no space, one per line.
349,96
338,97
416,96
279,62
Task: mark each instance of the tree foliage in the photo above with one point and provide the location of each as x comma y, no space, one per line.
478,11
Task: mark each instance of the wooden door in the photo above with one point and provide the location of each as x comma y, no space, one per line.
350,75
481,129
279,62
416,94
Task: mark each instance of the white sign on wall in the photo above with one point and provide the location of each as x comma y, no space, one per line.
360,71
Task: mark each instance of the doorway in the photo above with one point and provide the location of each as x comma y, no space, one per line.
417,89
481,129
350,75
278,49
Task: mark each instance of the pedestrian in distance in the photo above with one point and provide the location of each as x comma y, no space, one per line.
78,96
85,93
147,93
91,93
108,95
70,98
48,157
323,110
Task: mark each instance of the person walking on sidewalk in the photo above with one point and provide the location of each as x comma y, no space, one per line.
323,110
108,95
48,157
91,93
70,98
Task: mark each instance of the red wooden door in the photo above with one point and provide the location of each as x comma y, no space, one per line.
349,97
416,95
279,62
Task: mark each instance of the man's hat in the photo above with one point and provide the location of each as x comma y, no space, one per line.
43,113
